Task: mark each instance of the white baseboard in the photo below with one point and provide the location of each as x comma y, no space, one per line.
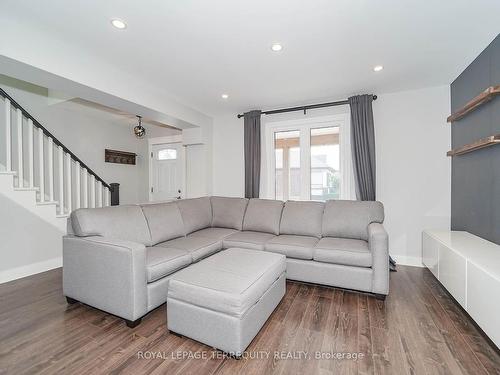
404,260
30,269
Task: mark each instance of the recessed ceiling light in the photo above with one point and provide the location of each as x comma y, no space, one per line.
276,47
378,68
224,96
119,24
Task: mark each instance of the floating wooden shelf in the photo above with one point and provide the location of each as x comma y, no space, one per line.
482,98
477,145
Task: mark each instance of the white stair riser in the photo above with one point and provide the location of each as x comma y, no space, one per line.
27,199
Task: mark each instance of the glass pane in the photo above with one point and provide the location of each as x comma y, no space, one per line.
279,158
167,154
279,174
294,180
287,164
325,163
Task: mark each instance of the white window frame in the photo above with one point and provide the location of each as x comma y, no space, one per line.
342,121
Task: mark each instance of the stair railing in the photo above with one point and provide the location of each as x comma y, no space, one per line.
78,186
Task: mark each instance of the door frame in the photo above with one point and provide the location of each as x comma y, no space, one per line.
177,139
304,125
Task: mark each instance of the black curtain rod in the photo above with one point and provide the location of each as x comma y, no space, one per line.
306,107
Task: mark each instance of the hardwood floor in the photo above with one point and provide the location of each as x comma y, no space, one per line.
418,330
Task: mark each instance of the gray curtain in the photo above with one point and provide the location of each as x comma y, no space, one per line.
252,153
363,146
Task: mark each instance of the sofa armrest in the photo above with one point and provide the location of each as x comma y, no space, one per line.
378,242
108,274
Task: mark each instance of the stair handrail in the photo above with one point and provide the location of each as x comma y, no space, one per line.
50,135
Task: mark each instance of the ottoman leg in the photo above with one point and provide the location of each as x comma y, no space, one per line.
70,300
133,323
234,356
175,334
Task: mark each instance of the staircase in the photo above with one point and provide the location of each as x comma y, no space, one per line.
40,173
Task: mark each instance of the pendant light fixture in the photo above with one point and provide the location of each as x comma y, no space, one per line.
139,130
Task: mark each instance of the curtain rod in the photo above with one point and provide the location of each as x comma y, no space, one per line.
306,107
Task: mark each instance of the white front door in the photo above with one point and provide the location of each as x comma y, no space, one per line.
167,172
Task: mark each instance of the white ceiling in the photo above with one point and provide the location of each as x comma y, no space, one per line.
198,49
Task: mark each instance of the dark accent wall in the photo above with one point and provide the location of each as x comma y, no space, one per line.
475,186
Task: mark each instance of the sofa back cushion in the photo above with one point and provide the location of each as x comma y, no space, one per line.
123,222
263,215
164,221
350,219
302,218
196,213
228,212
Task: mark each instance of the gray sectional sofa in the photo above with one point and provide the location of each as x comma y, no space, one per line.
120,259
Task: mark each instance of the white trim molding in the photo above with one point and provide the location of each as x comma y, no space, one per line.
30,269
403,260
167,139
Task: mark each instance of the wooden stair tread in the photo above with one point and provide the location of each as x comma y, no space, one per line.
47,203
24,188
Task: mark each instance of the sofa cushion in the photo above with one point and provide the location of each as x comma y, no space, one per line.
198,247
215,233
302,218
196,213
350,219
247,240
162,261
164,221
230,282
125,222
228,212
300,247
263,215
343,251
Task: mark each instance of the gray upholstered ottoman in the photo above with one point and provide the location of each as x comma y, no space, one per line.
224,300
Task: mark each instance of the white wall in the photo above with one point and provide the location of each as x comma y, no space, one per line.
228,156
29,244
198,161
413,172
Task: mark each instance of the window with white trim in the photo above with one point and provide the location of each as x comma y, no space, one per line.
309,159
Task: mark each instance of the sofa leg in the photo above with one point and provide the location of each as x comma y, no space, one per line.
70,300
380,297
133,323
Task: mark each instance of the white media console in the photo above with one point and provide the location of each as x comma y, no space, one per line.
469,268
